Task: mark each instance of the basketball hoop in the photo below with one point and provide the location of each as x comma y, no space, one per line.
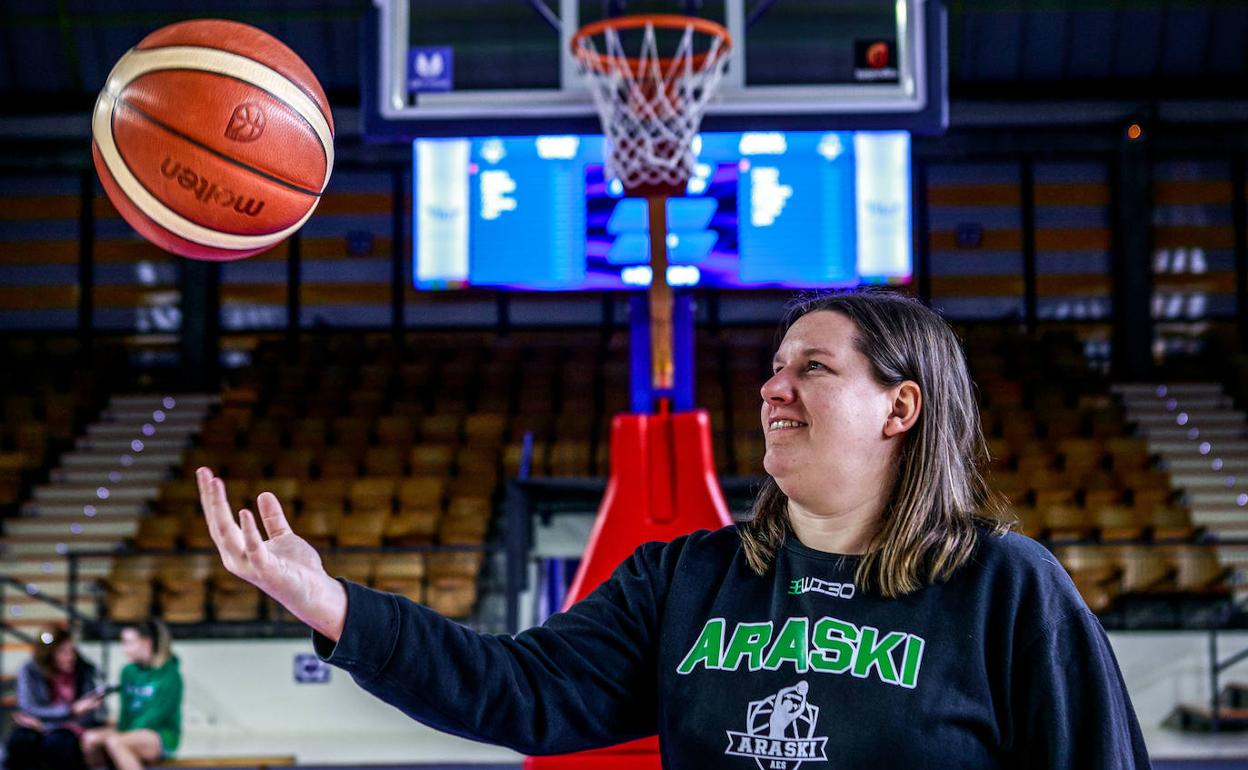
651,107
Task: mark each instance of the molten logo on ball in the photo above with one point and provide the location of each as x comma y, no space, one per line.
209,192
246,124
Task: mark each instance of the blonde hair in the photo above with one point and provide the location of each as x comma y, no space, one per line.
155,631
939,498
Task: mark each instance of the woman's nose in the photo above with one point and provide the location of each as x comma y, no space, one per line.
778,388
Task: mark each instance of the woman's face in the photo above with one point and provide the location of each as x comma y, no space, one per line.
65,657
135,647
824,412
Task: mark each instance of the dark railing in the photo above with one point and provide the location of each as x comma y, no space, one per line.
1216,667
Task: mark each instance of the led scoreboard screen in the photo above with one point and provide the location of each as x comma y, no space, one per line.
801,209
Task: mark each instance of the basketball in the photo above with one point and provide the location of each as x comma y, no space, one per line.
213,139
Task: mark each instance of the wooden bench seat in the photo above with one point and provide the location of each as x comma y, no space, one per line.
256,762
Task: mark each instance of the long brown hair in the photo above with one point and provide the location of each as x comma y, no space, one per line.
930,519
45,649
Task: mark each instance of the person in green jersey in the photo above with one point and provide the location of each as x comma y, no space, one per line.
150,725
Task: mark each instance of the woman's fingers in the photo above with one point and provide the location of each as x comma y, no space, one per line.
257,553
252,539
225,533
271,515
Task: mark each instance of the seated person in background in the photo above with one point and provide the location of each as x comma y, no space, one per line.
150,725
59,697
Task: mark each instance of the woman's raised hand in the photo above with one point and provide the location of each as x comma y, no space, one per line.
285,566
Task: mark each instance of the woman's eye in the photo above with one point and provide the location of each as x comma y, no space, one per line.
815,365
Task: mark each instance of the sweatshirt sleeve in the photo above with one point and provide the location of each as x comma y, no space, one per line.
29,701
585,678
1070,701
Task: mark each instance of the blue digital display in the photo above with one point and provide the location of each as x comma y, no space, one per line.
762,209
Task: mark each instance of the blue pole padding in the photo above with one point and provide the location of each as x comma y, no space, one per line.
642,394
682,351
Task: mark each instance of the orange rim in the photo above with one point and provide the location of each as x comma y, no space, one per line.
604,63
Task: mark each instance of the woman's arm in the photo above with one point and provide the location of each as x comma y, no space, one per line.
586,678
1069,701
33,697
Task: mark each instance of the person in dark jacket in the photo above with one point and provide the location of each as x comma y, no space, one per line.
875,611
59,697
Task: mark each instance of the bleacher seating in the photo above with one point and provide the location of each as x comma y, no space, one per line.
49,388
370,445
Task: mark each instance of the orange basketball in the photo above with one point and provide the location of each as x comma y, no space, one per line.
213,139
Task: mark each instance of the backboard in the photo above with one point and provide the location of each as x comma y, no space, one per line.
504,67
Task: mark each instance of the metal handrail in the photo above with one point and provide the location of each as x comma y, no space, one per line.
34,592
1216,667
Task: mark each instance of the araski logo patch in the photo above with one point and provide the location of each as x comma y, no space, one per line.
780,731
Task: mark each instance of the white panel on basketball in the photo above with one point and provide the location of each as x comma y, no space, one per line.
140,62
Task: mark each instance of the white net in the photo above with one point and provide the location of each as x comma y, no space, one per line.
651,106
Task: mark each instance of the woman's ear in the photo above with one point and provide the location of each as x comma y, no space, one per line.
907,403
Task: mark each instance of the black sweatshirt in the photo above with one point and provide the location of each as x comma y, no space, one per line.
1001,666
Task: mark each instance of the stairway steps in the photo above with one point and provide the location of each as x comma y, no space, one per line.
181,400
1227,448
1176,433
50,548
118,446
1150,402
1199,463
39,616
1172,390
110,461
1204,482
109,432
156,415
154,412
104,509
55,570
68,494
1197,418
117,475
53,539
82,527
1227,499
1219,517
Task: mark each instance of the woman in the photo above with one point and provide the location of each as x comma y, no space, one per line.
150,726
58,698
867,616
